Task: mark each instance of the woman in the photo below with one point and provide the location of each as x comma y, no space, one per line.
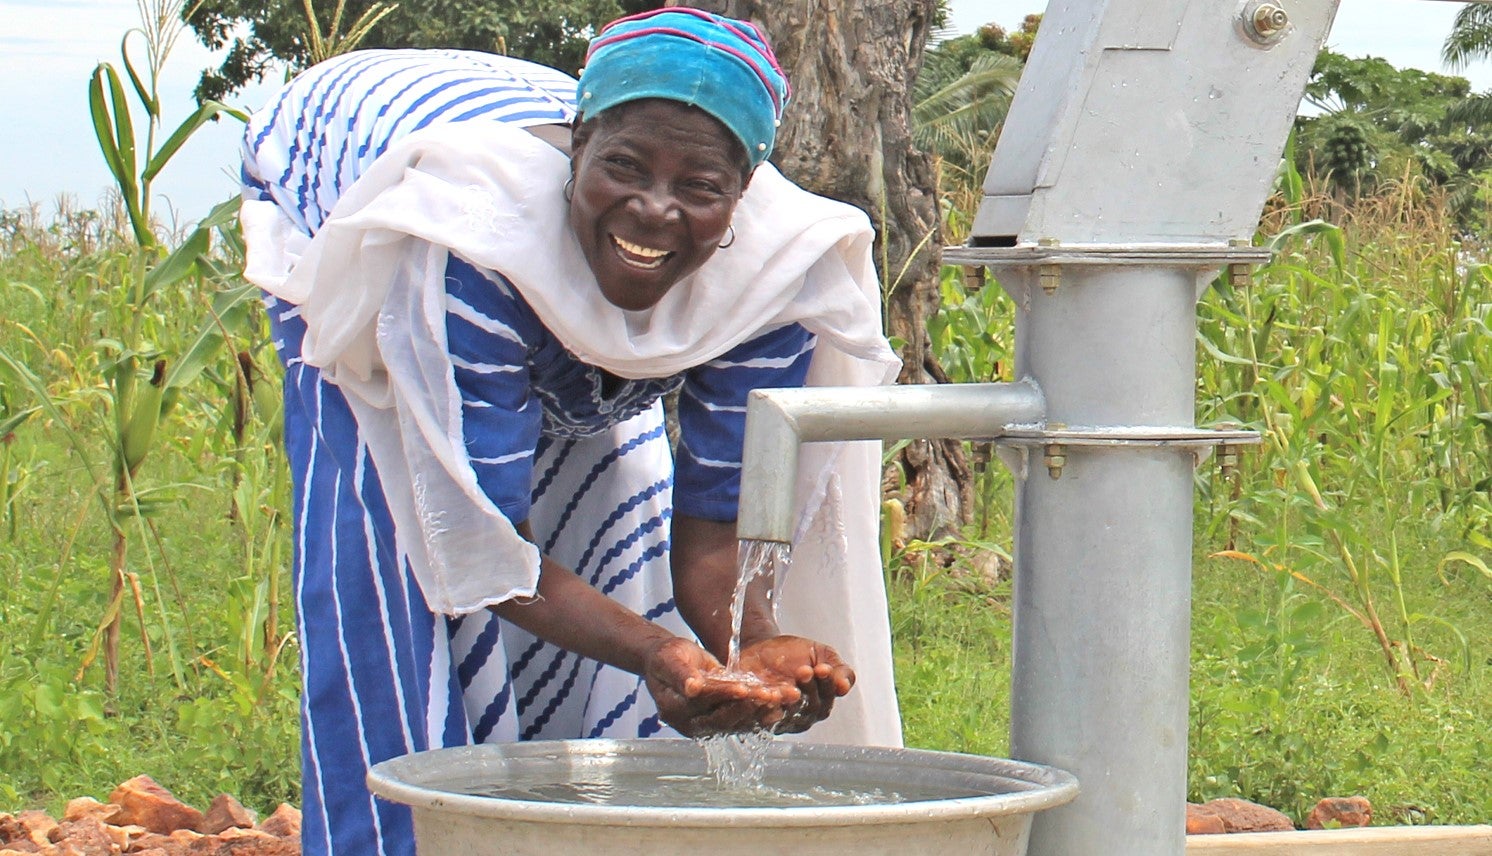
479,318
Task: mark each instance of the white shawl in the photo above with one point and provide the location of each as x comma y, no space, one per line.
370,289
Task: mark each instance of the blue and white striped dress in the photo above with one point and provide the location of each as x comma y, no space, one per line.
579,453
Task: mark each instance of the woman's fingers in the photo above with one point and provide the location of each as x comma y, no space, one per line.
842,677
787,684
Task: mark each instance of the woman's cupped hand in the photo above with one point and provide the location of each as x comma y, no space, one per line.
815,670
782,684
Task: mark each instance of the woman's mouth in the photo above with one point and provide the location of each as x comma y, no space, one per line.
638,256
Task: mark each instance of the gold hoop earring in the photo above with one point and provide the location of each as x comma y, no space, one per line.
732,229
569,190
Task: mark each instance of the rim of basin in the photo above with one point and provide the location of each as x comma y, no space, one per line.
417,780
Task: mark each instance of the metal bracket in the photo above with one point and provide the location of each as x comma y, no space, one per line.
1017,459
1055,441
1052,254
1129,436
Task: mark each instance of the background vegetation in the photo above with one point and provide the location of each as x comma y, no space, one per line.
1343,595
1343,601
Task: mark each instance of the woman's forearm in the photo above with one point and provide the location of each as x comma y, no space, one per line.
570,613
705,572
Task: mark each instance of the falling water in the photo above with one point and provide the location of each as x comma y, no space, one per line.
738,761
754,559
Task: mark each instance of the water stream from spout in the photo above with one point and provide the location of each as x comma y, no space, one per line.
738,761
754,559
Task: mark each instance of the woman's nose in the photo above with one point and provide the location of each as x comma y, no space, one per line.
656,203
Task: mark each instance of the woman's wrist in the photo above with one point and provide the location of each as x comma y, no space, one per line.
757,628
645,647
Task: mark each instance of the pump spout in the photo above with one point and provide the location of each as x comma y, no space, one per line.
777,420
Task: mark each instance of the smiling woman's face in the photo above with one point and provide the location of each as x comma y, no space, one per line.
656,183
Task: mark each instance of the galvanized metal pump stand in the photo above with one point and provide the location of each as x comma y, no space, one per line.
1133,167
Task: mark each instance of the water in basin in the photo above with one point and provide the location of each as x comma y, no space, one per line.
702,790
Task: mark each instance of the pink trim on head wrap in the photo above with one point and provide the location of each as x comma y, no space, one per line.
603,41
727,23
722,66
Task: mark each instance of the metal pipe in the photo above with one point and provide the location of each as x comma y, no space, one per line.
777,420
1102,583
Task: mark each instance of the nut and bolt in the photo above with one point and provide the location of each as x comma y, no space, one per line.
1264,23
1239,272
1054,455
1055,458
1050,275
1270,20
1227,460
1227,453
973,276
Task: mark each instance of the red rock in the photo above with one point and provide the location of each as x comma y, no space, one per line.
1338,812
185,836
1244,816
144,803
20,848
87,836
178,843
125,836
68,847
35,827
245,842
226,813
10,829
247,835
89,807
1202,821
145,842
254,842
284,822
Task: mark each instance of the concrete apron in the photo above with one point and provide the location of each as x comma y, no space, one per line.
1368,841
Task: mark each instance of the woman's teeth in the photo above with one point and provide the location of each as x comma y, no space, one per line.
639,256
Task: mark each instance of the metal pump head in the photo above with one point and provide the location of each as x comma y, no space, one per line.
1143,121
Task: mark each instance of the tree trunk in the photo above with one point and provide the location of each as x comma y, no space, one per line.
847,135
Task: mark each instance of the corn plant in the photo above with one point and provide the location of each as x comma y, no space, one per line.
143,377
13,475
334,41
1356,353
52,309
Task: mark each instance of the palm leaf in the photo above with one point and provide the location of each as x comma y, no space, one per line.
1470,37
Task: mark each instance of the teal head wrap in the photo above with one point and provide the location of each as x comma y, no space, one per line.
723,66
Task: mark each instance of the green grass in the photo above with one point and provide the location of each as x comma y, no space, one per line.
65,737
1288,703
204,712
952,657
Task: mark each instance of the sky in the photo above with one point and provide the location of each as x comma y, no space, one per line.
49,48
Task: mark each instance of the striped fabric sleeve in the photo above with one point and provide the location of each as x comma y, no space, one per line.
489,331
712,417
